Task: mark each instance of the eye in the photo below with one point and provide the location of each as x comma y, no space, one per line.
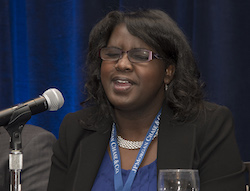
112,55
139,55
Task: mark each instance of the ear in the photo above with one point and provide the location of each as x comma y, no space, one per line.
169,74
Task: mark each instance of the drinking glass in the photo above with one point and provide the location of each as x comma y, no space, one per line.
178,180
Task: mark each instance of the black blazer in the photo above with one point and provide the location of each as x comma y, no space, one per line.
206,143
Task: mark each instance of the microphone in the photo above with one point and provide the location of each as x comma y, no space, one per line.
51,100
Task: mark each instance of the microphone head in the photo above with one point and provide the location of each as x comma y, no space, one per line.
54,99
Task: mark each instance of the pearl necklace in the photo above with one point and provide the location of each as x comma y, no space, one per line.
131,145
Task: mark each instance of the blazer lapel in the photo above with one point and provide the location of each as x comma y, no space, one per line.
176,143
91,152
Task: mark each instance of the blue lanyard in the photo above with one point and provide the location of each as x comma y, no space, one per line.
114,148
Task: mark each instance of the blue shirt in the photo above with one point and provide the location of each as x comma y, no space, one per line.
145,179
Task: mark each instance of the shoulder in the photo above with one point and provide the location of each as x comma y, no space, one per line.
31,131
216,113
213,107
85,119
33,135
208,113
81,123
80,115
214,122
214,116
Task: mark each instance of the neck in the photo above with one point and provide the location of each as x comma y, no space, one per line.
134,125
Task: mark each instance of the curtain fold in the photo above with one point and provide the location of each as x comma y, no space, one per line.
43,44
6,74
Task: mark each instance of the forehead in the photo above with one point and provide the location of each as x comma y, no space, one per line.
121,38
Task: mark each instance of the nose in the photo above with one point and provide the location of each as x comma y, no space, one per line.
123,64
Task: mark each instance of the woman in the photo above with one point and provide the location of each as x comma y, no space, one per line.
143,83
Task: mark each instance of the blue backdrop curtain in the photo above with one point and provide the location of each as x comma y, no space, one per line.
43,44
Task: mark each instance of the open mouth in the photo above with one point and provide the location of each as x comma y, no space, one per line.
122,85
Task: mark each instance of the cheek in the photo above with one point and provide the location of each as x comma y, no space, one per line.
154,75
102,71
106,70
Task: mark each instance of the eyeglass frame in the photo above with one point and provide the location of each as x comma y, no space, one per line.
152,55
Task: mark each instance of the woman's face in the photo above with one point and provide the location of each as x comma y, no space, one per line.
131,86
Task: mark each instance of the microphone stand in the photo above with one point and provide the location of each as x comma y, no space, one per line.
19,118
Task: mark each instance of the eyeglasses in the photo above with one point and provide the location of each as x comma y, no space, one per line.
135,55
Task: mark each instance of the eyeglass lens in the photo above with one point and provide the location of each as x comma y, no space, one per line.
134,55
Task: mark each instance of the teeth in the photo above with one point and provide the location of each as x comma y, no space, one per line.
122,81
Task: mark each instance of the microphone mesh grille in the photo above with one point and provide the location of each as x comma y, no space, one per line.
54,99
